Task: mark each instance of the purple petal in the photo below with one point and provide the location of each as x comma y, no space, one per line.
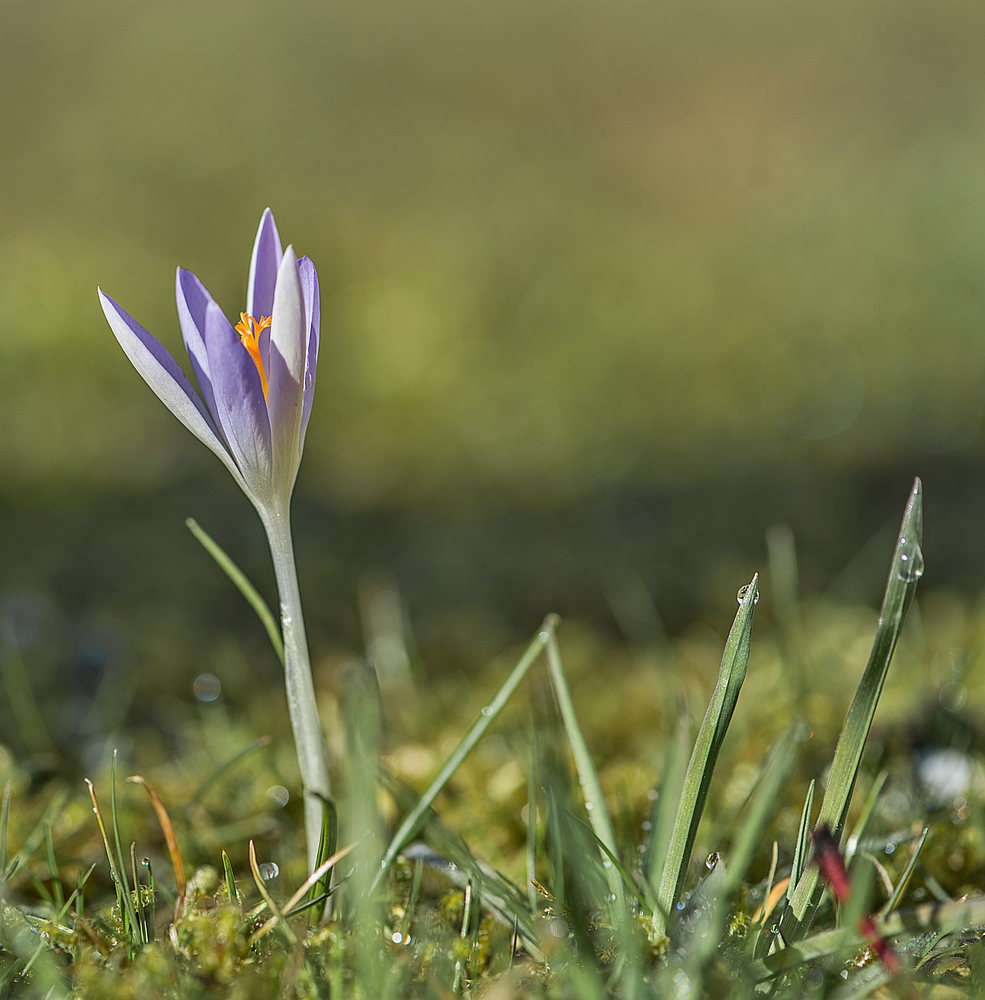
239,400
312,311
263,275
172,386
285,376
193,299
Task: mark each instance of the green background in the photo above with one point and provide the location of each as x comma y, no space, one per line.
607,289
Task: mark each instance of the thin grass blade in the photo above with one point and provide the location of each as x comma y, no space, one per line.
226,766
169,839
242,584
588,779
897,893
802,849
412,820
327,843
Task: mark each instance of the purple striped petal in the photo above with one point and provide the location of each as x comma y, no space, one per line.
285,376
263,275
193,298
312,312
239,400
172,386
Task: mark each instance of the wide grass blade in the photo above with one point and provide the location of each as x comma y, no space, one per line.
241,583
705,755
782,554
664,810
904,572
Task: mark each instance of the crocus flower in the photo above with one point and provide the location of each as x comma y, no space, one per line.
256,381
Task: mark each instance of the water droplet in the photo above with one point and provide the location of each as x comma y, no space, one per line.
712,860
543,636
741,594
146,862
589,806
682,985
279,795
646,825
487,711
268,871
953,696
397,938
606,864
207,687
612,897
910,565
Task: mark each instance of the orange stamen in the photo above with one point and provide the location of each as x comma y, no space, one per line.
249,333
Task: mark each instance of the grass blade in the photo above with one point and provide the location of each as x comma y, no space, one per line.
327,843
169,839
705,755
782,554
4,821
230,880
257,744
762,804
665,808
241,583
868,807
904,572
894,899
802,848
20,695
412,820
588,779
123,897
58,897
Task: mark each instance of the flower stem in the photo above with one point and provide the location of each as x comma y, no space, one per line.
308,737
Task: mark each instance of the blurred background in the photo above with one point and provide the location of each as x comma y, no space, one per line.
608,289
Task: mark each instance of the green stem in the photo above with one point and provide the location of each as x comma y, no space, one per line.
308,737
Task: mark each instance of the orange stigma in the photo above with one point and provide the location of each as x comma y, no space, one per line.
249,333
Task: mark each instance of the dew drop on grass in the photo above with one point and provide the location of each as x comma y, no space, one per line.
279,795
712,860
207,687
910,566
268,870
146,862
589,806
487,711
741,594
